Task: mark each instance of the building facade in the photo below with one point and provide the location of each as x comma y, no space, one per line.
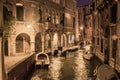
81,23
40,26
88,23
2,71
106,31
85,22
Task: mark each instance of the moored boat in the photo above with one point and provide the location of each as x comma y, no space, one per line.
88,56
105,72
42,59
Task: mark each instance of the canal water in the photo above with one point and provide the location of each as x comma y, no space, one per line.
71,67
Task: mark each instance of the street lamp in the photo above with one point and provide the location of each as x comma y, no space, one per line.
30,26
81,28
114,37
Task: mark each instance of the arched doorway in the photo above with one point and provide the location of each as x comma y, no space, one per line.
55,41
71,39
47,43
23,43
38,43
63,41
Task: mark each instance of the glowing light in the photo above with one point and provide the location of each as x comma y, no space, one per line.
55,68
81,28
73,39
67,15
28,26
114,37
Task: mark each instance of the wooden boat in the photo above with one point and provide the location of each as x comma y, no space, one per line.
105,72
42,59
88,55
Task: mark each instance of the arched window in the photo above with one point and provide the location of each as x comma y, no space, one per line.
19,44
23,43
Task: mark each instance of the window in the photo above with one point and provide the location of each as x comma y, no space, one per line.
97,41
114,13
62,19
40,14
102,45
19,44
73,23
19,12
114,48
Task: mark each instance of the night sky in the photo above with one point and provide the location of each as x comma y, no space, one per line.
83,2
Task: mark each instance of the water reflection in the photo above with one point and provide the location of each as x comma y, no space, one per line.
72,67
55,68
80,68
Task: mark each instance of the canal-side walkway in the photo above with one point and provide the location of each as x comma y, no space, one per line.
17,67
11,61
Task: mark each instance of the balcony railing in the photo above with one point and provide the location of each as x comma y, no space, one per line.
53,27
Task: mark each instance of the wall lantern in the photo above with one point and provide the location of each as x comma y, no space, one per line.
81,28
114,37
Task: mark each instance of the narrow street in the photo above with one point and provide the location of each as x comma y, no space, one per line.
77,68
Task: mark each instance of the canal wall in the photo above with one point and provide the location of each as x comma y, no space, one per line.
21,69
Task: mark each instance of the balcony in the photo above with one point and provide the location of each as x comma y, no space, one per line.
53,27
68,29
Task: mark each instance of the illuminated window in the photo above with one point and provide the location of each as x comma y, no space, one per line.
57,19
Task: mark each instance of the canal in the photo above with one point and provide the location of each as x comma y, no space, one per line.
71,67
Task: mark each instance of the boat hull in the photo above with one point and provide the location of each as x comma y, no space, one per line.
42,59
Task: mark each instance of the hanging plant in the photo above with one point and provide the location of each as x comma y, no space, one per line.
9,22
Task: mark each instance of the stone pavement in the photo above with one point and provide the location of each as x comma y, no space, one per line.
11,61
106,72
